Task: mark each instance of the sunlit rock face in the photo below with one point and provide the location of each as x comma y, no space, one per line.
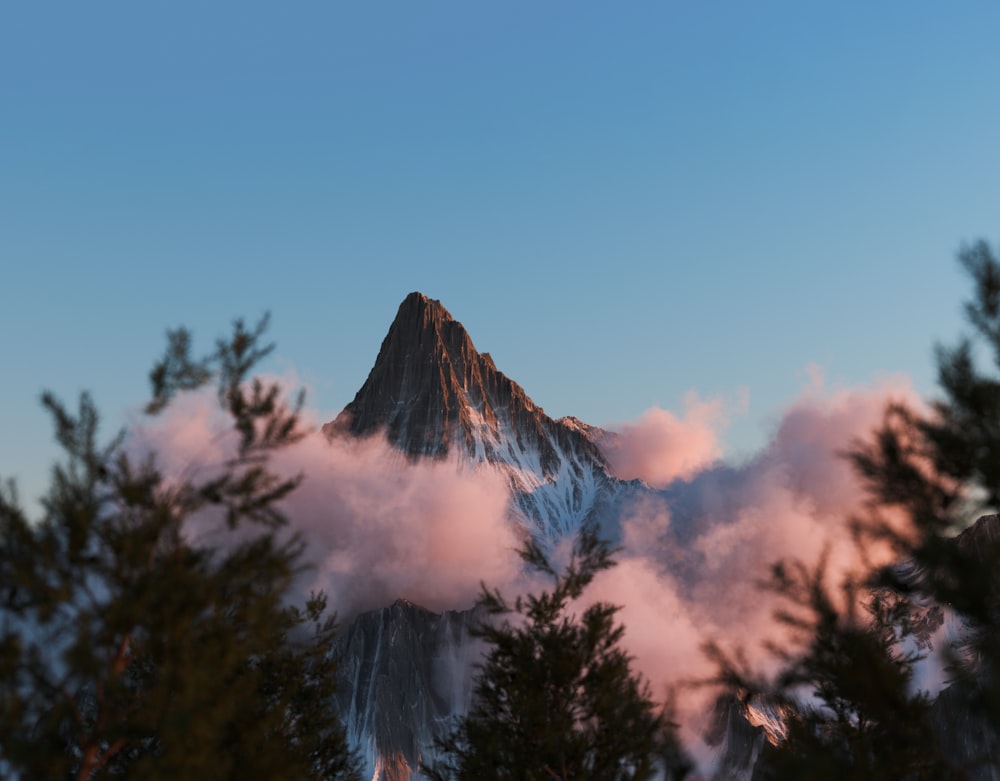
405,677
433,394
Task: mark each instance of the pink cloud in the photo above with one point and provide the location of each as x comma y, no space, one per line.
693,555
380,527
661,447
377,526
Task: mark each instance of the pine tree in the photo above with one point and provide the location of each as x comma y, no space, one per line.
844,692
556,697
127,647
941,471
846,686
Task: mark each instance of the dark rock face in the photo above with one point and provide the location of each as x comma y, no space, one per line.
966,737
404,678
430,389
982,538
433,393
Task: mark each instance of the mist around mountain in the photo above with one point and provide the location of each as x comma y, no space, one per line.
425,485
431,394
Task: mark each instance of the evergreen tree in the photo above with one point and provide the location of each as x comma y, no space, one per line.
844,692
941,471
556,697
129,648
846,687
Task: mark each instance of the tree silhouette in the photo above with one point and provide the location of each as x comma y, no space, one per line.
127,647
556,697
845,689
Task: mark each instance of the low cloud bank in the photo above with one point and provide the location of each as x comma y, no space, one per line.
379,526
694,553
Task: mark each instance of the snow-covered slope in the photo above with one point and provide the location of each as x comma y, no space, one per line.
432,393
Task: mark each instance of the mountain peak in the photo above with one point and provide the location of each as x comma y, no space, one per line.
418,306
432,393
429,387
423,330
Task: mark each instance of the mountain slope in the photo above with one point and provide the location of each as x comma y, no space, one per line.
405,677
433,395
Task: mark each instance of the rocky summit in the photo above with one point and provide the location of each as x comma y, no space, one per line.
434,395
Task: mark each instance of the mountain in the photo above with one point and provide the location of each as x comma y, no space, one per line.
404,679
433,395
405,673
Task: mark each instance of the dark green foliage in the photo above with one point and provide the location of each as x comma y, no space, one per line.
843,692
846,687
941,472
129,647
556,697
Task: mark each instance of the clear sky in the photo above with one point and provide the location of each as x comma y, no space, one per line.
621,201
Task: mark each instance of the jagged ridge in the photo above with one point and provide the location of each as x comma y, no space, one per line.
430,388
430,391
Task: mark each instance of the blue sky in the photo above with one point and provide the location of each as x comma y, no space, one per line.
622,202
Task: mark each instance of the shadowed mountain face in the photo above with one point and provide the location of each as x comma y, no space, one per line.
405,678
434,394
